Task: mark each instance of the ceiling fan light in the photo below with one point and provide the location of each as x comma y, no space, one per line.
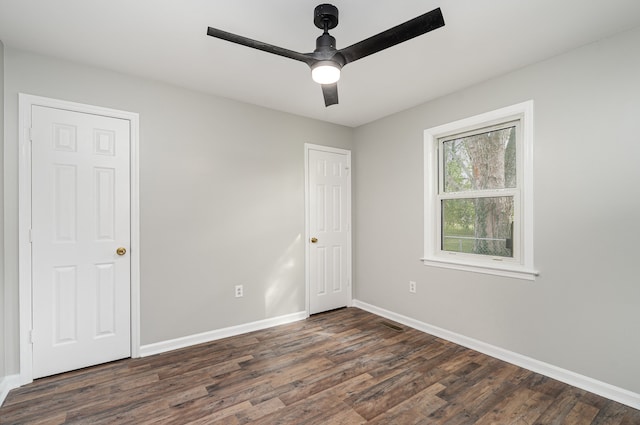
325,72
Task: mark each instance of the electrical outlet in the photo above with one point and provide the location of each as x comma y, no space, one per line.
239,291
412,287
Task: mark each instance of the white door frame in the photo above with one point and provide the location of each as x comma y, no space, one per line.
307,218
25,103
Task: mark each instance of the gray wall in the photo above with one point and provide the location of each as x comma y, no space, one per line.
582,312
2,298
221,196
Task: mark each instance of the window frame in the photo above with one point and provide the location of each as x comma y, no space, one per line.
521,264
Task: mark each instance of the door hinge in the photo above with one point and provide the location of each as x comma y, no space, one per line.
31,134
31,336
30,235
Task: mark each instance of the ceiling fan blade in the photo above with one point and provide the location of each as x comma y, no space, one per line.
330,93
265,47
396,35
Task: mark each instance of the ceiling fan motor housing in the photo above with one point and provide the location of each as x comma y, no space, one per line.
325,14
326,50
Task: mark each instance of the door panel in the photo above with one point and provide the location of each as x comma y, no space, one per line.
80,216
329,210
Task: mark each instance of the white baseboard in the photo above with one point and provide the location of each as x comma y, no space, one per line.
7,384
603,389
187,341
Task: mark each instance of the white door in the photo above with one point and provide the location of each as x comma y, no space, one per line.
80,235
329,209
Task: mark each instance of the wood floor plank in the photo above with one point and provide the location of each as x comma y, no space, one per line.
610,414
341,367
557,411
329,378
631,418
581,414
112,373
222,415
314,410
532,408
260,410
413,409
389,393
507,410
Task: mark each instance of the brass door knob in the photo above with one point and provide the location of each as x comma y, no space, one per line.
121,251
314,240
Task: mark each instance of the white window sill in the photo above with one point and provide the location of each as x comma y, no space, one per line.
505,270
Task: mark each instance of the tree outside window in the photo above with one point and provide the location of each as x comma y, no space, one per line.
477,165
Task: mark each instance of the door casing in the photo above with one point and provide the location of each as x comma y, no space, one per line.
307,230
25,103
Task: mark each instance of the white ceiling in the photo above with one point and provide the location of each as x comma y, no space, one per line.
166,40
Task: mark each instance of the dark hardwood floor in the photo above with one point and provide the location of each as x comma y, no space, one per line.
342,367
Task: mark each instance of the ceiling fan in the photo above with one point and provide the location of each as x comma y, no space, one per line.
326,61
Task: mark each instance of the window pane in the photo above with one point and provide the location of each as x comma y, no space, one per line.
478,226
480,161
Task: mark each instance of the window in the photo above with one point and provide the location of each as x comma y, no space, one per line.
478,193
